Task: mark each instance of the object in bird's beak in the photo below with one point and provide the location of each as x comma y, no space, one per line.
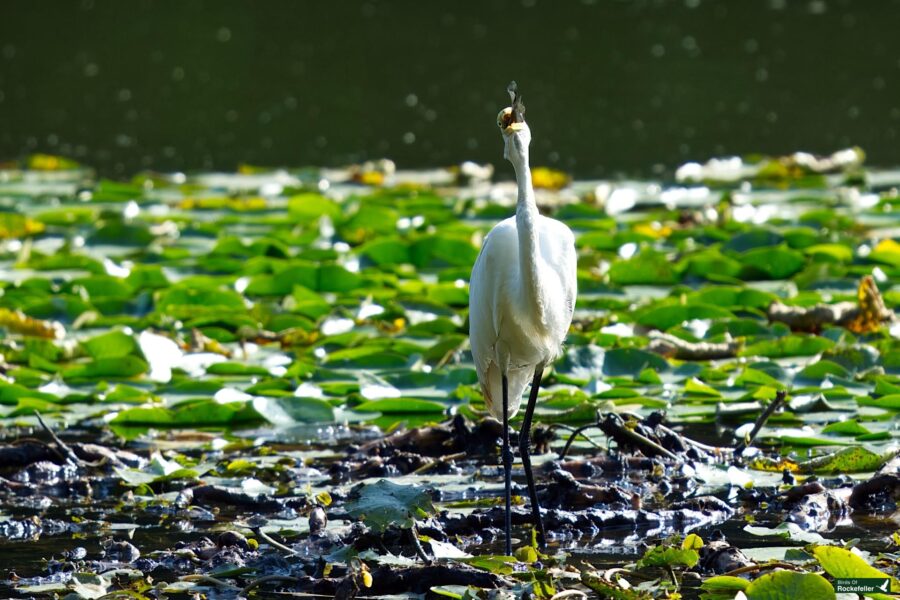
518,107
512,117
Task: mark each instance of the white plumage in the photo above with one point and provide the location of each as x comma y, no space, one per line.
508,321
521,299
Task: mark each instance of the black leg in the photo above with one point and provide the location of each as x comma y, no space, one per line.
524,450
507,467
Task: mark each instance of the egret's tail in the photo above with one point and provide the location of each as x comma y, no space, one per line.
492,389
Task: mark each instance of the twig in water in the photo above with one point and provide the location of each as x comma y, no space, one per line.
568,594
427,466
780,396
208,579
761,567
614,428
69,453
50,447
575,434
259,532
258,582
674,577
699,445
418,545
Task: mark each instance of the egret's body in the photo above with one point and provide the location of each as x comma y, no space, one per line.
521,299
511,321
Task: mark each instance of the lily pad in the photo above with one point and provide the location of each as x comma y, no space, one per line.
384,503
789,585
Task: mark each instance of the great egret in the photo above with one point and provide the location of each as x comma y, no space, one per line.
521,299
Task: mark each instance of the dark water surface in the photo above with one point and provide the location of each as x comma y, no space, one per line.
611,87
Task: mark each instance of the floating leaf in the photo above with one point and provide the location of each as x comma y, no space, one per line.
890,402
886,251
401,406
387,251
15,225
773,262
841,563
647,268
856,459
694,387
790,345
289,410
15,321
668,556
789,585
116,367
692,541
849,427
199,412
384,503
665,317
724,583
631,361
499,565
114,344
310,207
604,588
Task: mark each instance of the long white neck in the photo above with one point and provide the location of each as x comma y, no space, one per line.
529,244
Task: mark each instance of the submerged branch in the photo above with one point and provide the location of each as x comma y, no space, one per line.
671,346
761,421
865,315
64,448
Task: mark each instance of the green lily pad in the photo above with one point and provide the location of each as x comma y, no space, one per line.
632,361
844,564
669,556
856,459
199,412
665,317
789,585
289,410
400,406
382,504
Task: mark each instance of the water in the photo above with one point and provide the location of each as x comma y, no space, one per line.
611,87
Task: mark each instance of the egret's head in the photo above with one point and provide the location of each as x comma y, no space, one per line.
516,135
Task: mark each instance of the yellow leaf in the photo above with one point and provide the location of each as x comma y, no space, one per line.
887,246
773,466
49,162
692,542
654,230
872,311
223,203
548,179
526,554
14,225
16,321
369,178
366,577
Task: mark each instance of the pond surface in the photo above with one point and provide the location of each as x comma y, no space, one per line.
221,356
611,87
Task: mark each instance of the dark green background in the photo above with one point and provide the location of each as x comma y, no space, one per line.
611,87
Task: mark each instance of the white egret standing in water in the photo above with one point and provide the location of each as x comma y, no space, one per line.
521,299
